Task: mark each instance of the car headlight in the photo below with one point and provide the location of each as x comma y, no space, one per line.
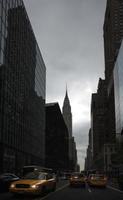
12,186
34,186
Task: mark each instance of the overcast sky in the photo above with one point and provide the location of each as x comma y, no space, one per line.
70,37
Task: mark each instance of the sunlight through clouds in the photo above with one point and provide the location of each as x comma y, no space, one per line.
80,104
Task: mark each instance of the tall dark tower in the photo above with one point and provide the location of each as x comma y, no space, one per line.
22,90
113,34
67,114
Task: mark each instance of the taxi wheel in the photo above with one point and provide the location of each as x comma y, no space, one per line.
43,191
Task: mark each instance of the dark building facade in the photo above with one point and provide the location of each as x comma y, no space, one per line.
118,83
57,145
22,90
99,123
113,34
112,102
89,153
114,153
73,162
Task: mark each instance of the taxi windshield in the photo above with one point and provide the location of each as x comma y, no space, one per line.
35,176
97,176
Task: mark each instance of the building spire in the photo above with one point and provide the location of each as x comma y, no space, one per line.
66,110
66,87
66,96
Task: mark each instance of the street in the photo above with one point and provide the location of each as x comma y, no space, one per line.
65,192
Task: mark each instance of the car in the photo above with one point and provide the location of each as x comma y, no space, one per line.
34,183
99,180
77,179
64,177
5,180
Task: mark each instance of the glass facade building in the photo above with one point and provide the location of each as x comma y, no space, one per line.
22,90
118,89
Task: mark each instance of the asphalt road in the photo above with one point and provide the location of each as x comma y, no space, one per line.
86,193
64,192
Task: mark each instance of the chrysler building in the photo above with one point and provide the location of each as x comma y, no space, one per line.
67,114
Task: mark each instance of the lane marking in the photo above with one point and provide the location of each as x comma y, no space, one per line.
110,187
62,187
88,188
50,194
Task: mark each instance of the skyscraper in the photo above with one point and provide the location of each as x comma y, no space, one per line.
66,110
113,34
98,123
67,113
22,90
57,146
118,83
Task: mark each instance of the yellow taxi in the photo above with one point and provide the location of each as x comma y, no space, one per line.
34,183
77,179
97,180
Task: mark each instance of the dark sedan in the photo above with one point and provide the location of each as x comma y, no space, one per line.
77,179
5,180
